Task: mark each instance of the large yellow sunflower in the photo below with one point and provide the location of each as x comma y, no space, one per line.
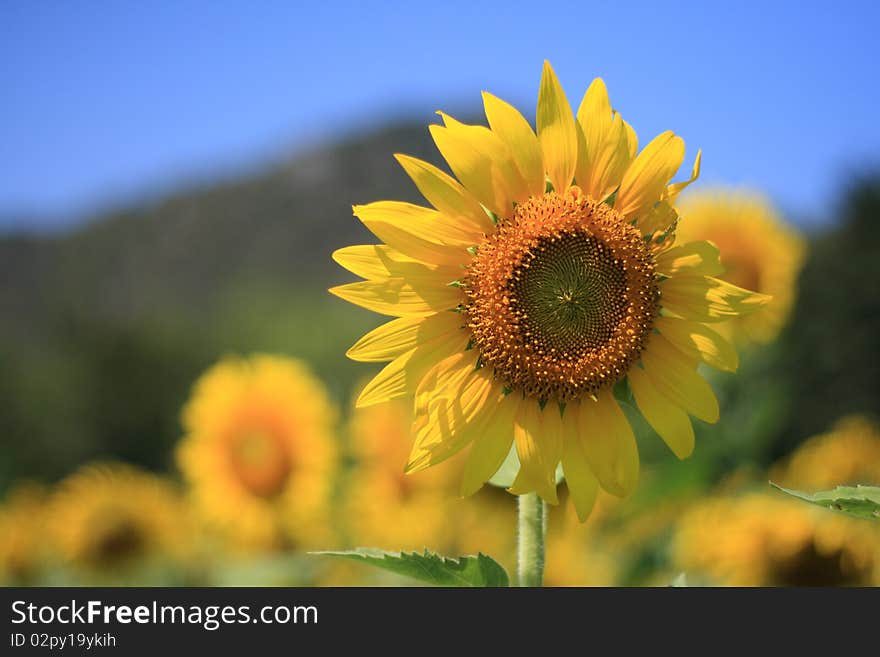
541,278
112,517
759,251
764,540
259,451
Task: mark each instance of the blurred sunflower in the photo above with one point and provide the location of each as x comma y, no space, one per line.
761,540
259,451
485,522
574,556
112,517
542,277
383,506
759,251
22,519
848,454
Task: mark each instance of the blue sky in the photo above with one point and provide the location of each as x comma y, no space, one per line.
107,102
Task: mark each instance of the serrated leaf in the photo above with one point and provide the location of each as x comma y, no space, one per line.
860,501
471,570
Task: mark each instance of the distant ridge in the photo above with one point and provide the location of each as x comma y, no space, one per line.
183,251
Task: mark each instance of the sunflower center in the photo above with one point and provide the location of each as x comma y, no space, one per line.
569,294
260,462
742,271
561,297
116,540
810,567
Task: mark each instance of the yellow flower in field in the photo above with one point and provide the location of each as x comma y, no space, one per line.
541,278
485,522
759,251
848,454
259,451
110,517
574,557
22,519
763,540
385,507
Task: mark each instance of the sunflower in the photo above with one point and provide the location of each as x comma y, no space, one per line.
541,278
759,251
763,540
113,517
383,506
22,518
259,451
848,454
575,556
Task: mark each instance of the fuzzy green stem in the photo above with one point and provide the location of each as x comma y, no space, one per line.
532,527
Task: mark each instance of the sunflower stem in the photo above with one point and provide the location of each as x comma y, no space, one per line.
530,547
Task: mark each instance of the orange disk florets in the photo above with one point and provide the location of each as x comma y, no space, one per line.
561,297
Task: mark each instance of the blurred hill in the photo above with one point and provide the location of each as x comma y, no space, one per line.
104,328
829,354
180,253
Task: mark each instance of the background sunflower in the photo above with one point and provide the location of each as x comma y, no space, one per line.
109,522
259,454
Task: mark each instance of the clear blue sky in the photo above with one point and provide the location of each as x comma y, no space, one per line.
106,101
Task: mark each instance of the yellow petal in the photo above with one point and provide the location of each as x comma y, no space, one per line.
675,375
450,401
398,336
674,190
595,114
482,162
398,298
379,262
699,341
659,218
556,131
707,299
582,483
370,261
493,438
668,420
692,258
401,376
645,180
445,193
609,444
632,140
423,223
604,153
538,436
407,242
444,380
513,129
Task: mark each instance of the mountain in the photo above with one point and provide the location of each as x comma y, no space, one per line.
104,328
179,254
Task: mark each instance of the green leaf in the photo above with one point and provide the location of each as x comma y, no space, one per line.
860,501
471,570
